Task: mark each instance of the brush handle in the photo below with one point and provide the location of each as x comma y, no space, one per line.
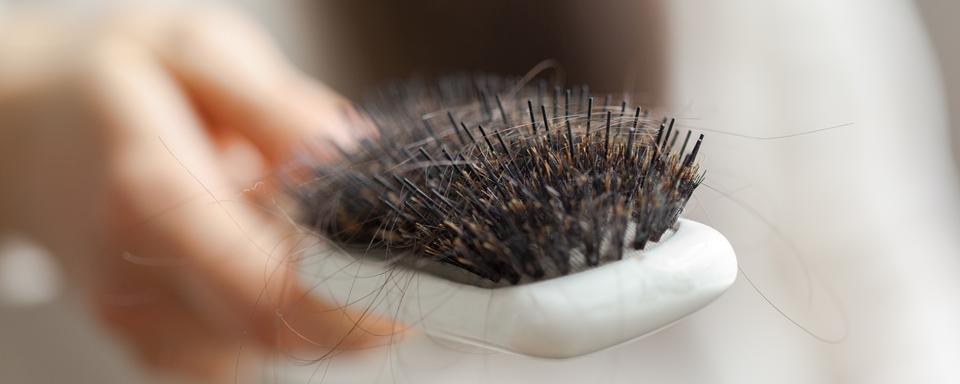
557,318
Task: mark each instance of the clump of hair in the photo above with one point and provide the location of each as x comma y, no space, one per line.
510,183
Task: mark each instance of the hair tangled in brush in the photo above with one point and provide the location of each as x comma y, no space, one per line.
507,182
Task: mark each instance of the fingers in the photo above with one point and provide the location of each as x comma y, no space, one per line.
233,262
241,81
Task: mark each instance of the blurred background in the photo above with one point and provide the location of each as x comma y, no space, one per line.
850,232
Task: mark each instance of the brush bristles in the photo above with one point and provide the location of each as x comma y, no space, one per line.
507,186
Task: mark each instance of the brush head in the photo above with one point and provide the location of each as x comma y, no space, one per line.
506,217
492,184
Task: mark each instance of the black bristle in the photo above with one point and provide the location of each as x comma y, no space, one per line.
426,155
633,134
533,119
606,140
546,124
666,136
693,154
446,154
589,116
453,122
660,131
521,210
429,129
673,140
686,140
506,149
485,138
469,135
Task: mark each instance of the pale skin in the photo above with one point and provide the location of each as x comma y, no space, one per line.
126,147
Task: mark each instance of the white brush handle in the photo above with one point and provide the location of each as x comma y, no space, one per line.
557,318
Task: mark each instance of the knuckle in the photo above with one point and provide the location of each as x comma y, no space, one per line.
212,24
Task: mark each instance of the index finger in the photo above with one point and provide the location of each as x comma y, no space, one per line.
240,79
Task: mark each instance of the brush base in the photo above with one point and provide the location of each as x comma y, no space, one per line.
557,318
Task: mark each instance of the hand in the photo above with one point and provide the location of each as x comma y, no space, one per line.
124,147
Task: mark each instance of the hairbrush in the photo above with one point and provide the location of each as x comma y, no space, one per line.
512,216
